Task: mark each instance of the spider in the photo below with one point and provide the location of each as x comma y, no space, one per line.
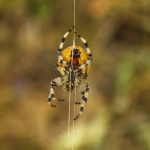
72,70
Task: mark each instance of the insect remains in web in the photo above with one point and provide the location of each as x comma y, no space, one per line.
72,69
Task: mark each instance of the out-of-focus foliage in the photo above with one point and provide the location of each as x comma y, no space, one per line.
117,114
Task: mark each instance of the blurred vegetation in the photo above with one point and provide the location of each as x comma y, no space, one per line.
117,114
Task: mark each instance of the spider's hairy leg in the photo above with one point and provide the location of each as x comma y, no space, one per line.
63,39
55,82
61,46
62,70
84,97
81,73
87,50
84,74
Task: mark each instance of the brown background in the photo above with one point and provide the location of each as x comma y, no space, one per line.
117,114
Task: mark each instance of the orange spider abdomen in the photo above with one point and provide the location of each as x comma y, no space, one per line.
77,61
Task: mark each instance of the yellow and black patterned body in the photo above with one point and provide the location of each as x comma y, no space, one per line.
73,64
78,59
75,57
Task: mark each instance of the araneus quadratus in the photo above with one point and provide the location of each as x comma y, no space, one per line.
72,70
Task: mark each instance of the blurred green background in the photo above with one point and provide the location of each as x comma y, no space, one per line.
117,114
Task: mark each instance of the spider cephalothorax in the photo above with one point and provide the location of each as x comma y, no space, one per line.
73,64
76,53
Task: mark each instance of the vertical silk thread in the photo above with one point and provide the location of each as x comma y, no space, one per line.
75,79
70,89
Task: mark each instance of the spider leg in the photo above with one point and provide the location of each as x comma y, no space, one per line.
61,46
84,74
87,50
81,73
62,70
84,97
55,82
